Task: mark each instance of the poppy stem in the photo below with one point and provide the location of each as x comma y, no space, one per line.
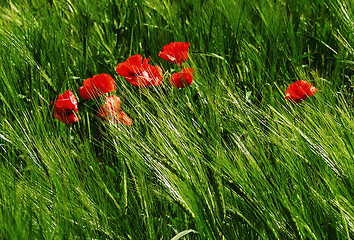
69,134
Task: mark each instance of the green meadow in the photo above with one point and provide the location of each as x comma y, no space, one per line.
227,157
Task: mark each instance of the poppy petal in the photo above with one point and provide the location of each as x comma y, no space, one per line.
66,107
66,119
299,90
110,110
97,86
183,78
175,52
126,119
130,67
139,72
104,82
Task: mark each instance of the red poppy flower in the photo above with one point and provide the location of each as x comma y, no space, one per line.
299,90
139,73
65,108
175,52
96,86
183,78
112,113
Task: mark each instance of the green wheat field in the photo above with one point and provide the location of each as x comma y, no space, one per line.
227,157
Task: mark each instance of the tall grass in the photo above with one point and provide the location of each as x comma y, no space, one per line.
226,158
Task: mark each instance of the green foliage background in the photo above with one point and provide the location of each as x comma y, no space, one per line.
226,158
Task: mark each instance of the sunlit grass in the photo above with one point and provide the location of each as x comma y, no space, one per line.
225,158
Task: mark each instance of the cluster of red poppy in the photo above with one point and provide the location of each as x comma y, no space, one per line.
66,107
137,71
